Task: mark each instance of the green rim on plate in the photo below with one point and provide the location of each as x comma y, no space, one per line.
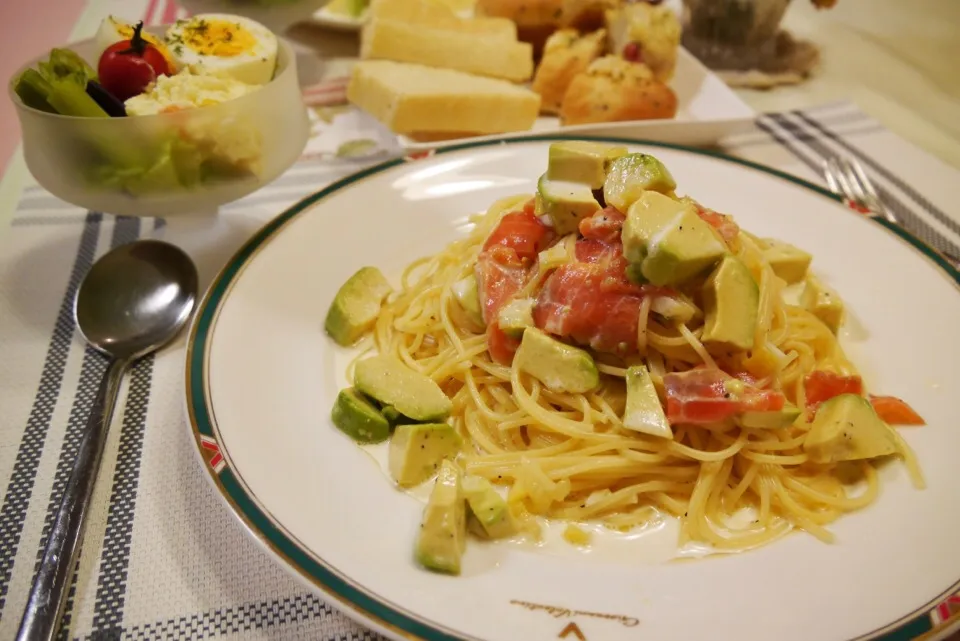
932,618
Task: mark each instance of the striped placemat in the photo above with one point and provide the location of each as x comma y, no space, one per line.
162,557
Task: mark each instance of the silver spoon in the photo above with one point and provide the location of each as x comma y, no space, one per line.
133,300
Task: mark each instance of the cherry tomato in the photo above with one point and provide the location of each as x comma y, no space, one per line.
127,67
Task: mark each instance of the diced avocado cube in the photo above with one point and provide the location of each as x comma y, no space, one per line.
847,428
560,367
442,538
634,273
356,306
358,418
488,509
566,203
788,262
516,316
417,449
667,241
643,412
631,175
387,380
730,303
556,255
468,297
394,417
823,302
675,309
770,420
582,161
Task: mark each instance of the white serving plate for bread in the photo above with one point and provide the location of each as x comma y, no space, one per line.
707,111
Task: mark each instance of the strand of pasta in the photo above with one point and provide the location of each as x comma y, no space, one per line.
568,455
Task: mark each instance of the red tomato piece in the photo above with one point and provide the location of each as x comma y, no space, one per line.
708,395
821,386
894,411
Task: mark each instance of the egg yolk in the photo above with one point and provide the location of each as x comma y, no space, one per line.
218,38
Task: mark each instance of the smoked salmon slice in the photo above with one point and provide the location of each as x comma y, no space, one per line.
522,232
584,302
502,270
725,225
707,395
605,225
591,301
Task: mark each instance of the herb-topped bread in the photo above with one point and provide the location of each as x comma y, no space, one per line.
565,55
613,89
646,33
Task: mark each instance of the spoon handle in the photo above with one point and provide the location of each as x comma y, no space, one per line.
41,619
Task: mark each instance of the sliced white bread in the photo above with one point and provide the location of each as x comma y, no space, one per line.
383,39
414,99
429,13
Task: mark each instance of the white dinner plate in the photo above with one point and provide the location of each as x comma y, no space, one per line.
261,377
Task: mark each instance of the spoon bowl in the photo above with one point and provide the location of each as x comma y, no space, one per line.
136,298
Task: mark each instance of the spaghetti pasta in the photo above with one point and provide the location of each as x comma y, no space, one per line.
569,456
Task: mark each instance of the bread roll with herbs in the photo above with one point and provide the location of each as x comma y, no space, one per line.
645,33
537,20
565,55
613,89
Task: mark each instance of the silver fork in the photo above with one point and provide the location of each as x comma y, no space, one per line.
846,178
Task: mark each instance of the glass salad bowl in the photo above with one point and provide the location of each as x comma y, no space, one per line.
183,162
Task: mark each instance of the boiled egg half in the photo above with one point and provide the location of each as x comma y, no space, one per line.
224,45
113,30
